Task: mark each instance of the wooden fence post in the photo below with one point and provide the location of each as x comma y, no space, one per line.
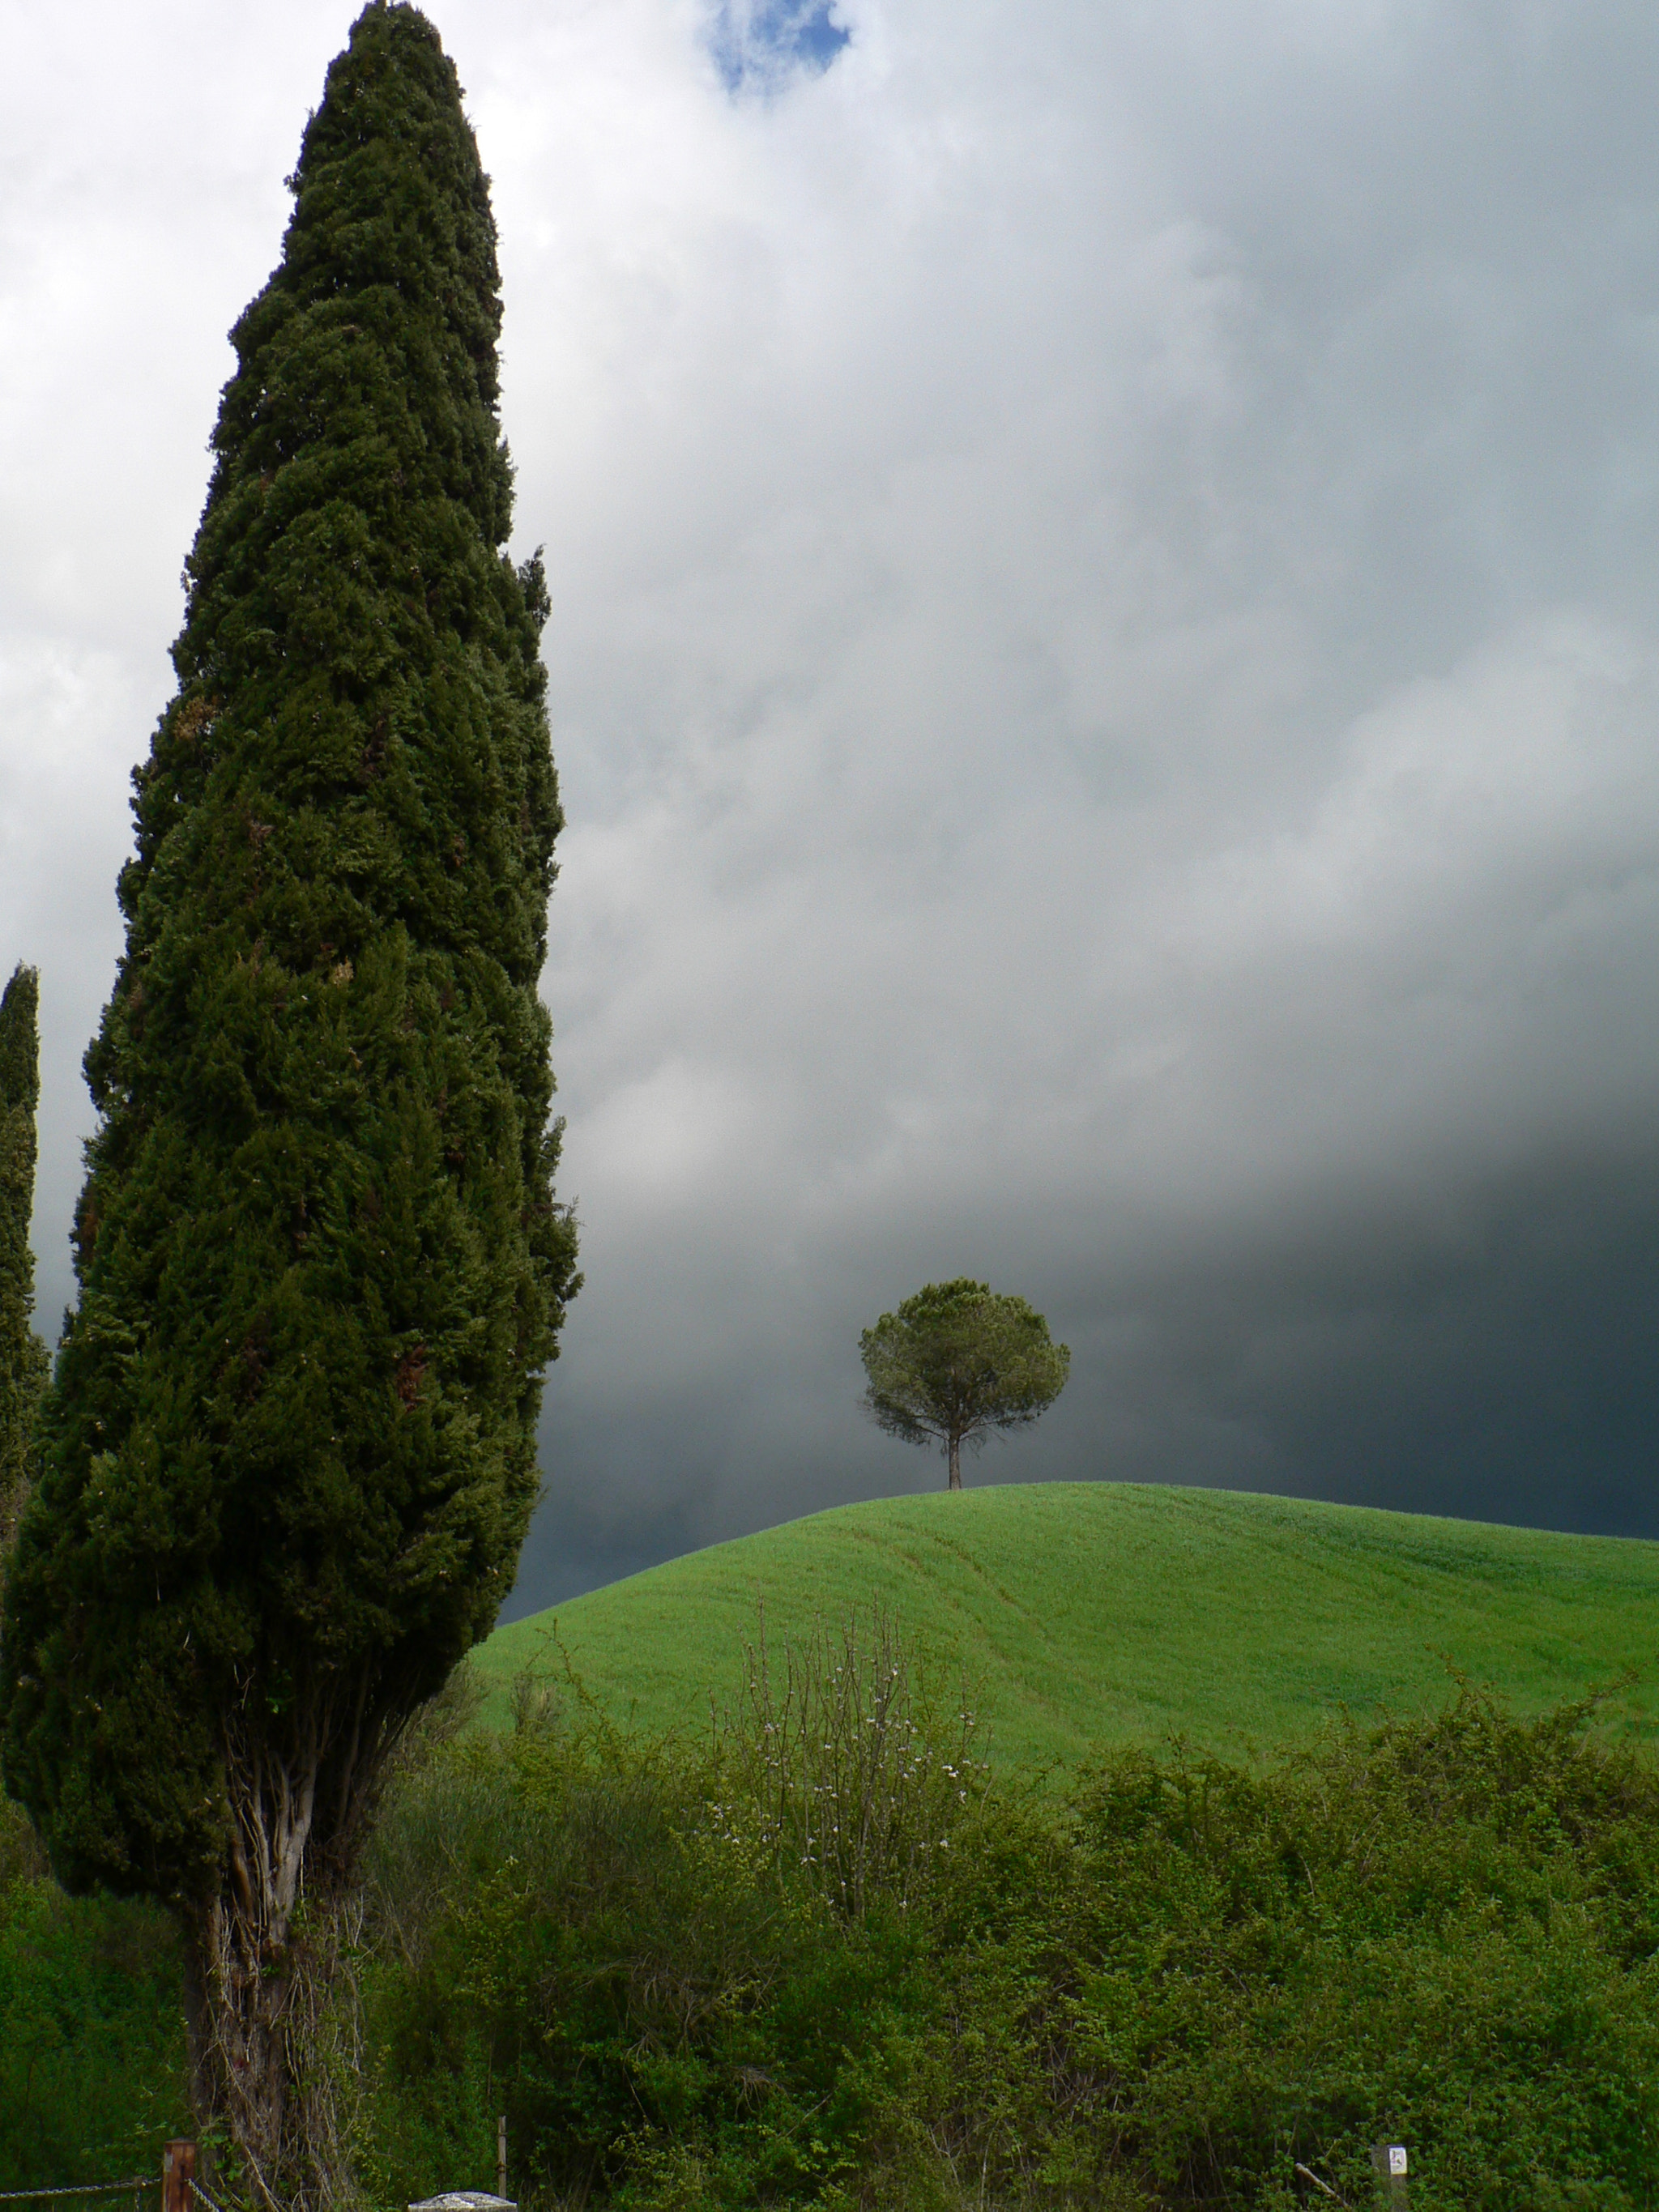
178,2172
1389,2164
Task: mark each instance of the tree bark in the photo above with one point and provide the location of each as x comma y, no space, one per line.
273,2015
273,2036
239,1988
954,1453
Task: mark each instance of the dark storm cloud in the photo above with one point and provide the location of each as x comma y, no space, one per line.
1496,1364
1105,672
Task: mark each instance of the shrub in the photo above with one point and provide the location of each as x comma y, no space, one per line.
656,1957
1178,1985
1183,1984
92,2043
1442,1932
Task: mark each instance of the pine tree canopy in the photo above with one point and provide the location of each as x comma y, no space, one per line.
289,1446
956,1361
22,1355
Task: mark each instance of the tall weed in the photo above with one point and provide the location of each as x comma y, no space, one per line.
841,1763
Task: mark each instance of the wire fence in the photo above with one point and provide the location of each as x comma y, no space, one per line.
133,2187
195,2196
192,2192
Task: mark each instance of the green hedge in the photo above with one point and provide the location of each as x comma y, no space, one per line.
1172,1987
821,1961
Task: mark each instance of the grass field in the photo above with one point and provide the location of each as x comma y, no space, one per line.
1088,1612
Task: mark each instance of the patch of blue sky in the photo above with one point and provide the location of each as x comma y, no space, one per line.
760,45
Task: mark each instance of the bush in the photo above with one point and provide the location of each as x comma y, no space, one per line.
1184,1985
656,1957
844,1767
91,2044
727,1973
1440,1932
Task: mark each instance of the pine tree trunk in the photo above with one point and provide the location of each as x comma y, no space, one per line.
206,2099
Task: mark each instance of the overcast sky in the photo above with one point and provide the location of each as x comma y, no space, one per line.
1105,672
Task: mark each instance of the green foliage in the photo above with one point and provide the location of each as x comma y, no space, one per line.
1169,1989
22,1355
602,1936
1440,1932
1087,1613
92,2059
955,1363
290,1452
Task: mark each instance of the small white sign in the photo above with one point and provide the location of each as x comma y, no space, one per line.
1397,2157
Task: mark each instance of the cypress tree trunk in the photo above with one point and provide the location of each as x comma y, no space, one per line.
22,1355
290,1449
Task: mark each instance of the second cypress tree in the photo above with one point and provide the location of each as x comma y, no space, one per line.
290,1452
22,1355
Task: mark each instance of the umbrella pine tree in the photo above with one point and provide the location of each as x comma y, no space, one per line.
956,1362
288,1451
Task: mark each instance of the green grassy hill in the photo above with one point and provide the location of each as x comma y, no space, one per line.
1085,1612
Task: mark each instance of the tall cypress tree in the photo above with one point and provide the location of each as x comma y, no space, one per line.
22,1355
288,1452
